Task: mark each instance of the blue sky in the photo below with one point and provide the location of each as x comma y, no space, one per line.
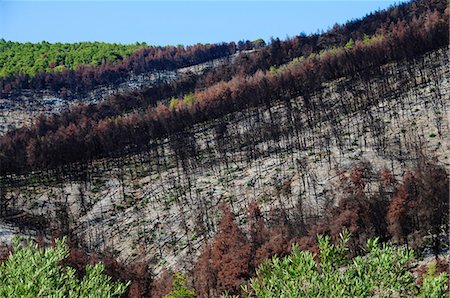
173,22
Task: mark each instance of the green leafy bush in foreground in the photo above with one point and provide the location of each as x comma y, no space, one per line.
383,272
34,272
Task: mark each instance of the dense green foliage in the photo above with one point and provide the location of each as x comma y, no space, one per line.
34,272
383,272
30,58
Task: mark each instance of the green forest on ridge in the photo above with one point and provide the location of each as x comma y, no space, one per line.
30,58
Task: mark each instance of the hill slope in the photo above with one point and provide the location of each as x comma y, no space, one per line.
148,199
317,140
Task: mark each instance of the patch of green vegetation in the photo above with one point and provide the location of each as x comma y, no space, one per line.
180,288
34,180
163,262
350,44
264,198
251,182
35,272
30,58
173,103
382,272
189,99
273,70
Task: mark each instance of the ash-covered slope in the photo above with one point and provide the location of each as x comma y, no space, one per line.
163,203
142,176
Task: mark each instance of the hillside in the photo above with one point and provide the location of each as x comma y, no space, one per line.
28,105
151,189
213,166
83,69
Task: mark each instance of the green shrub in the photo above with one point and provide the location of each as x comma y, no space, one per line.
34,272
383,272
189,99
173,103
433,286
180,289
